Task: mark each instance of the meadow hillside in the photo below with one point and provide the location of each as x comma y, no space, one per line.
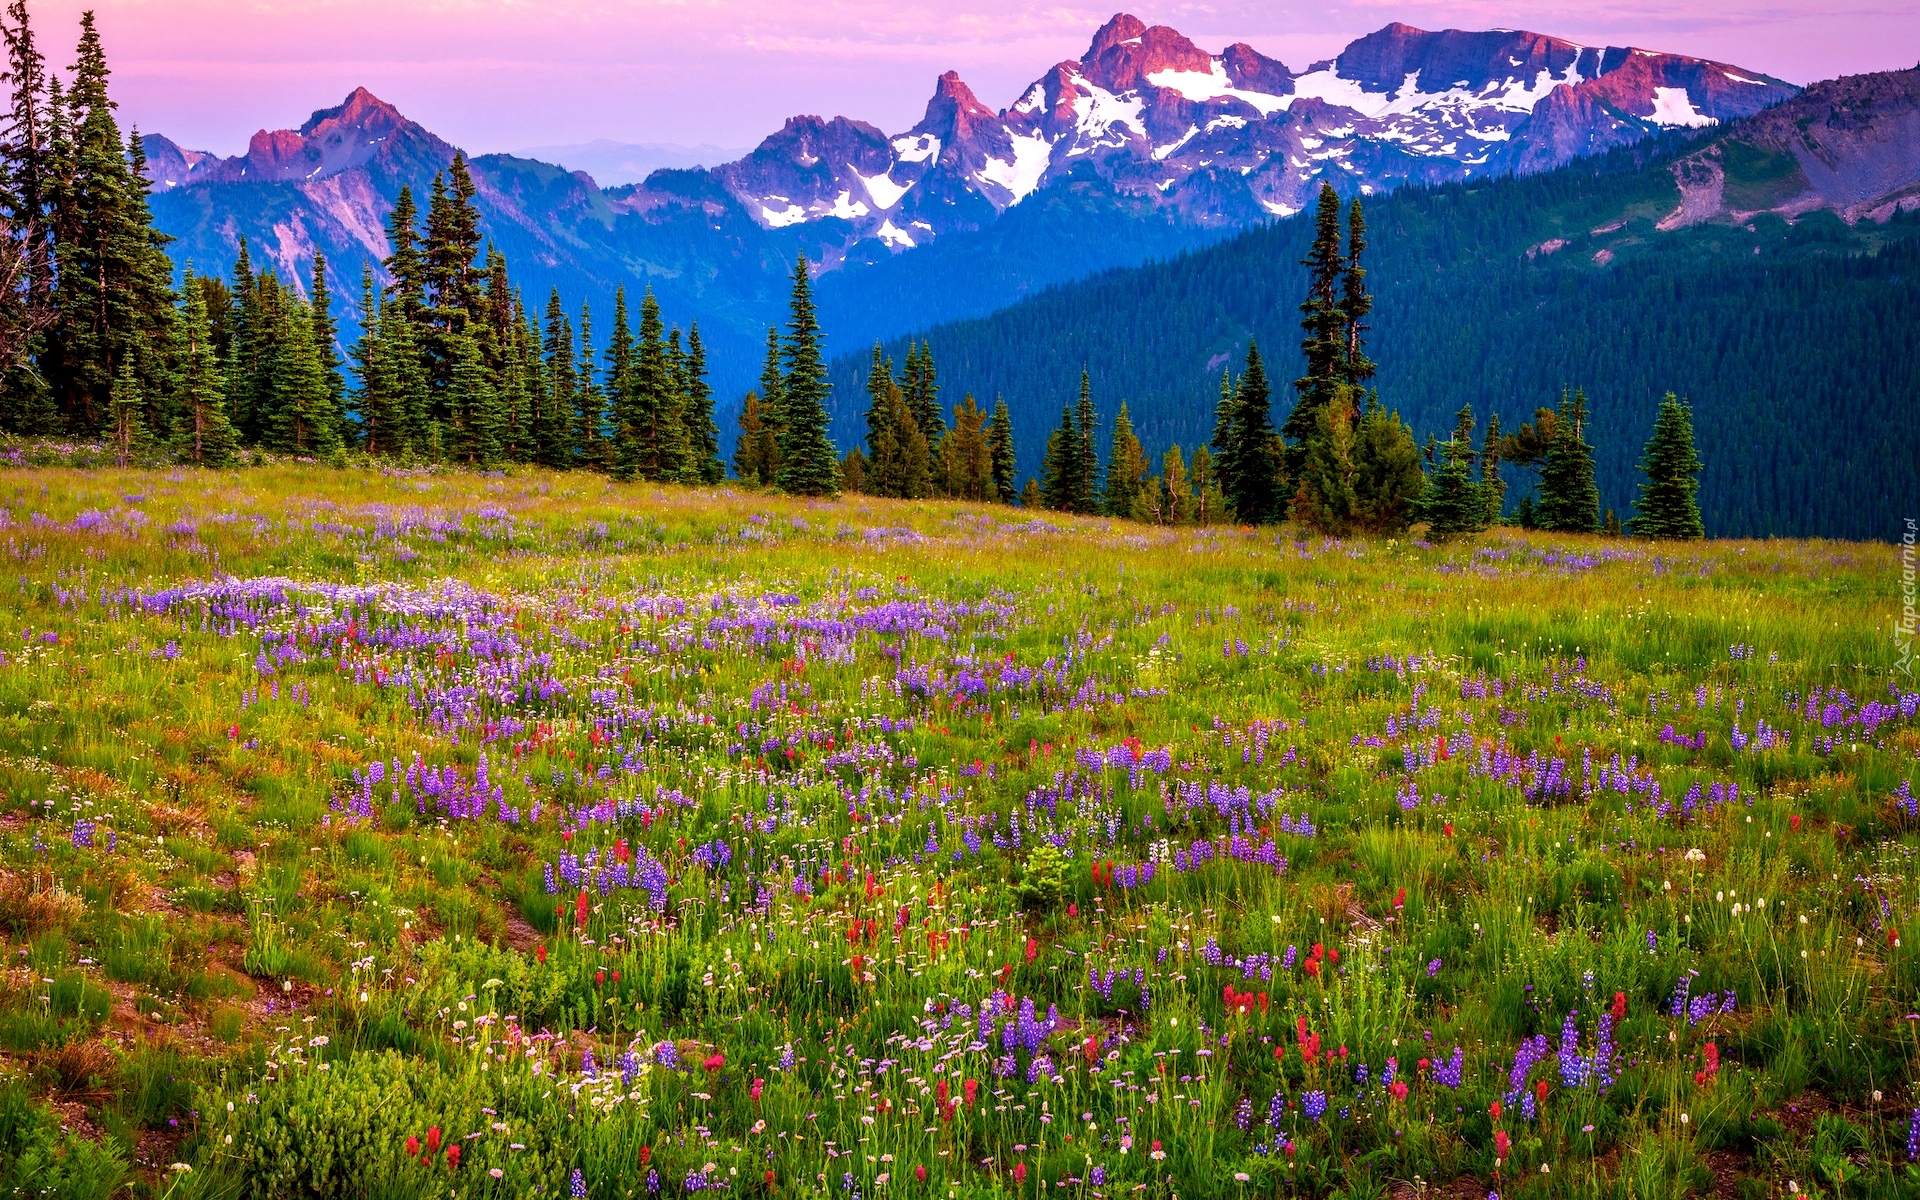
419,833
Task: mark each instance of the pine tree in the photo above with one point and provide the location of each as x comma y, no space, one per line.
1492,487
129,421
773,386
1057,466
922,389
1000,450
1455,502
561,432
703,434
204,437
590,405
1226,465
966,460
879,382
1326,497
1325,334
1085,456
853,472
673,453
1251,448
404,263
1127,471
808,464
113,297
1668,505
475,419
1388,481
1030,494
1355,303
27,323
301,421
1569,498
632,457
517,387
326,342
749,453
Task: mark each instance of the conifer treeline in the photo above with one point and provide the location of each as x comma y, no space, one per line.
451,365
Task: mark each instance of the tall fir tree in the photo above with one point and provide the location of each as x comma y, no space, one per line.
1247,453
1569,498
1057,466
1326,496
301,421
204,436
326,342
808,464
1000,450
1323,324
696,398
922,389
1355,303
1388,481
966,460
1455,502
27,191
561,438
1175,501
1084,496
1128,472
1493,488
127,426
1669,502
624,403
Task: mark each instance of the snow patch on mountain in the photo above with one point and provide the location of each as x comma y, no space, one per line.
1215,85
1672,106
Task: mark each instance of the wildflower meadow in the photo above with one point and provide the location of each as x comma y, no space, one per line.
413,834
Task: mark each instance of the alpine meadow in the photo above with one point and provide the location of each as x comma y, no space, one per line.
1204,634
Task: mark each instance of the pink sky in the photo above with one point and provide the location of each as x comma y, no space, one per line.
499,74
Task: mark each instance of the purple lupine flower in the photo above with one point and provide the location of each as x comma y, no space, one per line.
1314,1104
1433,968
578,1188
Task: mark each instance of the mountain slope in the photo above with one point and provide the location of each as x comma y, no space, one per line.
1145,146
1793,338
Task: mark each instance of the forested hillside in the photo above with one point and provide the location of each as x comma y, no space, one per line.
1794,342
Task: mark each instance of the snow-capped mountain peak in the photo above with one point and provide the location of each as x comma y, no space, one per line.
1233,137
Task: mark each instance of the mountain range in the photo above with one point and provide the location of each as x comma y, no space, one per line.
1145,147
1767,270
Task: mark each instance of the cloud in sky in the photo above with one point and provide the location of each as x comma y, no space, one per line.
494,74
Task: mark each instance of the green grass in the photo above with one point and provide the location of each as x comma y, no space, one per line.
828,737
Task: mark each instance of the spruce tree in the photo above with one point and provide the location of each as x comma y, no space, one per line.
1226,465
1327,498
1355,303
590,404
1057,465
631,454
749,456
326,342
1569,498
1455,502
1085,495
1000,450
1388,481
1668,505
966,460
128,426
403,262
1030,494
301,421
703,433
560,437
922,389
1251,447
1493,489
808,464
1324,341
476,422
1127,472
879,381
27,328
204,437
675,453
113,297
773,386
